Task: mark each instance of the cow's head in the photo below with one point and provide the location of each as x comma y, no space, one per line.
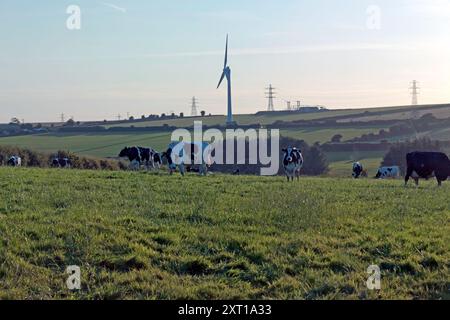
291,155
379,174
124,153
168,156
357,169
157,157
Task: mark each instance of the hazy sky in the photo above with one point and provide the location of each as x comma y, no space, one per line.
152,56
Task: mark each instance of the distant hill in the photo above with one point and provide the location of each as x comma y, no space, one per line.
266,118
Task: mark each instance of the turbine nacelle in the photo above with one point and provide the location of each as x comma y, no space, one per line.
226,73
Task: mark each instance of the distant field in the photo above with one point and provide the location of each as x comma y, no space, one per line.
150,236
107,145
263,119
97,145
323,135
341,162
437,111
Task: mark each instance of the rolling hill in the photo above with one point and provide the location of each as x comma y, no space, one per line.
109,143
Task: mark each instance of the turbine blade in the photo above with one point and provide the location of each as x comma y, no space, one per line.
226,54
221,79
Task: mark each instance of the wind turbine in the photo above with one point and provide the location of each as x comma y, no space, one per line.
227,73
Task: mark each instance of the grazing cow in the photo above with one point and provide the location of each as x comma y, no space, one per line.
388,172
180,154
358,170
15,161
139,156
134,155
292,162
426,165
157,160
61,163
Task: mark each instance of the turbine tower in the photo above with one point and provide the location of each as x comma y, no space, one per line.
414,92
227,73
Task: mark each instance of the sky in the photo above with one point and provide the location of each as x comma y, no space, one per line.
142,57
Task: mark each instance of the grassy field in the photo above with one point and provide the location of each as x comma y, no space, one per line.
97,145
246,119
440,112
323,135
341,162
151,236
108,145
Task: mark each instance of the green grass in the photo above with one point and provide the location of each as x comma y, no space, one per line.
151,236
264,119
324,135
109,144
247,119
341,162
97,145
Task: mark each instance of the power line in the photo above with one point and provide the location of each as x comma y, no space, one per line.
194,110
63,117
270,96
414,92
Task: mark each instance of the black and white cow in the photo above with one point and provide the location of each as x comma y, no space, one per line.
358,170
139,156
197,153
426,165
170,157
292,163
15,161
61,163
388,172
157,160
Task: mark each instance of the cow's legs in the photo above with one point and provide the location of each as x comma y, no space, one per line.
203,170
408,175
440,178
152,164
182,169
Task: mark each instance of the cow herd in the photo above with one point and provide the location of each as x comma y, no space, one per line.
199,155
149,158
16,161
420,165
139,156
